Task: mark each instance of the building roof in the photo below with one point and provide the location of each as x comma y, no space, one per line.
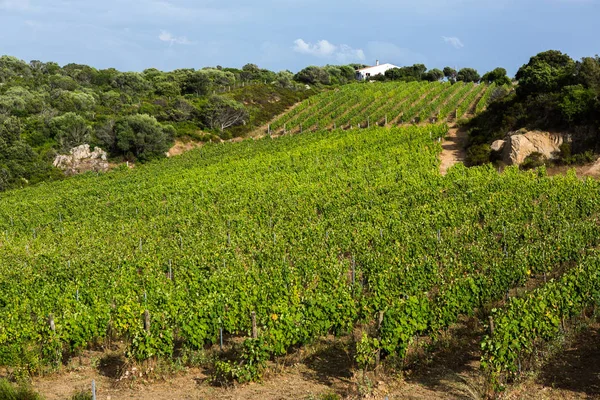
377,66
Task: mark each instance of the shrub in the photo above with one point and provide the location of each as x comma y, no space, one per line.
9,392
478,155
534,160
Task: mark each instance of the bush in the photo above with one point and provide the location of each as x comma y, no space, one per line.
9,392
478,155
534,160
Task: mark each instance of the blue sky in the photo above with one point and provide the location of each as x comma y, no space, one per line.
291,34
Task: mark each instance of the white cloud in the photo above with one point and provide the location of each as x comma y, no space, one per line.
325,49
453,41
15,5
171,39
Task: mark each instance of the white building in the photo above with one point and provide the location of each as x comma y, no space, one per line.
378,69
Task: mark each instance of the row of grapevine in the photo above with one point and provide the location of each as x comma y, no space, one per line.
528,323
366,104
316,234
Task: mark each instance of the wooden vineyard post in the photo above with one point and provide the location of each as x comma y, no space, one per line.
221,338
93,389
385,124
147,321
51,323
269,129
491,325
254,328
353,270
379,323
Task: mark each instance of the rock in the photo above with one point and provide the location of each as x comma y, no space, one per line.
498,145
80,159
518,146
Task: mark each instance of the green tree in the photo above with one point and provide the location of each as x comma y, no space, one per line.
588,73
197,83
450,74
546,72
222,113
313,75
142,136
70,130
577,103
433,75
468,75
497,76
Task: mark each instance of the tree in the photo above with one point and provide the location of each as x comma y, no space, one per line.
70,130
249,72
546,72
221,113
411,73
313,75
433,75
577,103
497,76
197,83
285,79
468,75
142,136
450,74
588,73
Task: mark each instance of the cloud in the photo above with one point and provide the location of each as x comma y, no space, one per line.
171,39
15,5
325,49
453,41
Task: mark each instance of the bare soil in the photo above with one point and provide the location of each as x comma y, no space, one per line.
453,149
445,369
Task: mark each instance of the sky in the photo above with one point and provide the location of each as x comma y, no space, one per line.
132,35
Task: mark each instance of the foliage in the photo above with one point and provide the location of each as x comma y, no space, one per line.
142,136
377,104
10,392
497,76
313,75
534,160
221,113
48,109
478,154
468,75
553,93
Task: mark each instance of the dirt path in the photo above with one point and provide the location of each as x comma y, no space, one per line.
453,149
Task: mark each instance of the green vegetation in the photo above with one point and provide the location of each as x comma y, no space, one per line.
10,392
380,104
317,234
46,109
553,93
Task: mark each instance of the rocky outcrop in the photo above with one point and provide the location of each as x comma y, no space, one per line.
498,145
518,146
81,159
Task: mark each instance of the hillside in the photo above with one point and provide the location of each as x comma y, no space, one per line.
385,104
347,233
46,109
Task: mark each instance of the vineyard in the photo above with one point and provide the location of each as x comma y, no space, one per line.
384,104
306,236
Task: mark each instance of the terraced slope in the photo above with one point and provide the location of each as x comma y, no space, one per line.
363,105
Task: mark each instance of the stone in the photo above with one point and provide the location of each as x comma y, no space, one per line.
81,159
498,145
518,146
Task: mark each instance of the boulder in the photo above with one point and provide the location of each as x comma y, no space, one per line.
498,145
519,146
81,159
